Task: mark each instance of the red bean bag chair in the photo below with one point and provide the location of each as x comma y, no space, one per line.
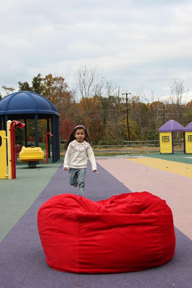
128,232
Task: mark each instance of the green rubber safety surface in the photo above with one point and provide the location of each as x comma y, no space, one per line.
17,195
176,157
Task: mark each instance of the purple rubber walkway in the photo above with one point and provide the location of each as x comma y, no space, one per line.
22,260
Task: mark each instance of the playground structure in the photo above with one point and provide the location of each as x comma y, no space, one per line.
8,151
188,138
28,105
166,136
3,156
8,154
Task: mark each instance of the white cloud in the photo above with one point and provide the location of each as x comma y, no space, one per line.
136,44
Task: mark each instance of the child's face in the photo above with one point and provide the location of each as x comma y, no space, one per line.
80,135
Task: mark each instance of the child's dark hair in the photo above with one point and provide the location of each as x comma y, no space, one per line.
72,135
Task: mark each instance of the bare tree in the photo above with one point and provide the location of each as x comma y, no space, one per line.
8,90
89,84
111,90
176,98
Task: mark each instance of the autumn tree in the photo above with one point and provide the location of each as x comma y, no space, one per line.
156,117
89,115
139,113
66,126
37,84
187,116
56,90
104,100
24,86
53,88
116,125
103,109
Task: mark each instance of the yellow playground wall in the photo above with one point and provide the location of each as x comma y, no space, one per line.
165,142
188,142
3,155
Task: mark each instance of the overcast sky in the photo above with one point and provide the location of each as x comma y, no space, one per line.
138,45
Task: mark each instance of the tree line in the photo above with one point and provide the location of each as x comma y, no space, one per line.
110,116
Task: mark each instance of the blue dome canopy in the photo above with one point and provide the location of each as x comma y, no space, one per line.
26,102
29,105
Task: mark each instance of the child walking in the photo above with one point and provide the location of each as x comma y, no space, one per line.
76,156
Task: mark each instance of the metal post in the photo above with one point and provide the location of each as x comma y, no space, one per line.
47,154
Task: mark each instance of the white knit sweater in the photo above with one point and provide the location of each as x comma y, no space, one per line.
77,155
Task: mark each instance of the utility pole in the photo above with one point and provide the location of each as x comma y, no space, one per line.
127,111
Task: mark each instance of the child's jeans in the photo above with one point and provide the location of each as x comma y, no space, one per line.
77,178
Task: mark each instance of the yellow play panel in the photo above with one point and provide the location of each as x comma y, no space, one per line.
169,166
